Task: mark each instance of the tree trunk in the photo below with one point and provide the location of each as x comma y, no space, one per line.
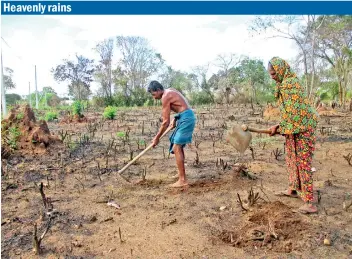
227,96
79,91
309,92
254,93
344,87
341,92
110,80
305,69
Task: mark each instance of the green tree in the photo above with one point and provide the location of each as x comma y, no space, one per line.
8,81
49,89
123,92
139,59
302,30
78,73
252,73
139,62
12,99
199,78
334,44
176,79
250,78
103,72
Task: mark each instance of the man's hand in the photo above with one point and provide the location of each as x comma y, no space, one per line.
273,130
173,124
155,141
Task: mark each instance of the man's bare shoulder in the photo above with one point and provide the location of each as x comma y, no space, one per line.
167,96
173,93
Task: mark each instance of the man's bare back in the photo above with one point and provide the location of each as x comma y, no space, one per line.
175,99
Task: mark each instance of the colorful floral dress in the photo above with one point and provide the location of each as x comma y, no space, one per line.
298,123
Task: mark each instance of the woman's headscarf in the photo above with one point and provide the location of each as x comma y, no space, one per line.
282,68
283,72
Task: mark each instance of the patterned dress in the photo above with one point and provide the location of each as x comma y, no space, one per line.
298,124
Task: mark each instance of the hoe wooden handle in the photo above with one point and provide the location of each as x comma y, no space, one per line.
245,127
142,153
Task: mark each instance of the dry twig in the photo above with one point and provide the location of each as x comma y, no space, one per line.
241,204
37,241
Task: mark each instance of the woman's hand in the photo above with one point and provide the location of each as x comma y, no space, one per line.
273,130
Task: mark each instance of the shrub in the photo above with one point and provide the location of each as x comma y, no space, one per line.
20,116
98,101
110,112
13,136
77,108
50,116
200,97
121,134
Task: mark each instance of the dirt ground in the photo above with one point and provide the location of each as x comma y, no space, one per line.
149,220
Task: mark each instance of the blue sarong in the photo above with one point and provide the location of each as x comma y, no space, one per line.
183,132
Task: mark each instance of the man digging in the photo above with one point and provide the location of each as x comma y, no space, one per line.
172,100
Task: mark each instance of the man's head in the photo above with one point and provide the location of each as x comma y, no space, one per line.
156,89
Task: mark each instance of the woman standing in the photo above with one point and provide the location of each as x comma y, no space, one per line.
298,125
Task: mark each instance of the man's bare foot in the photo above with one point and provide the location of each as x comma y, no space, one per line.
289,193
308,209
179,184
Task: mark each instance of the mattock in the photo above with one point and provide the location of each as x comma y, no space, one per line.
140,154
240,136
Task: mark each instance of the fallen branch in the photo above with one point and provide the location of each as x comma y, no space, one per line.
120,235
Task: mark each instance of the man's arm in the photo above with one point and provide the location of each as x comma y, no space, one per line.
166,119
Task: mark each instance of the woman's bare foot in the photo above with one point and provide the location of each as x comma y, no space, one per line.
179,184
308,209
289,193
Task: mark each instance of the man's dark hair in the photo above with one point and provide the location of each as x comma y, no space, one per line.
155,86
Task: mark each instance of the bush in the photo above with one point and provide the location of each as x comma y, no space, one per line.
110,112
20,116
148,102
13,136
50,116
77,108
201,97
98,101
120,100
263,97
